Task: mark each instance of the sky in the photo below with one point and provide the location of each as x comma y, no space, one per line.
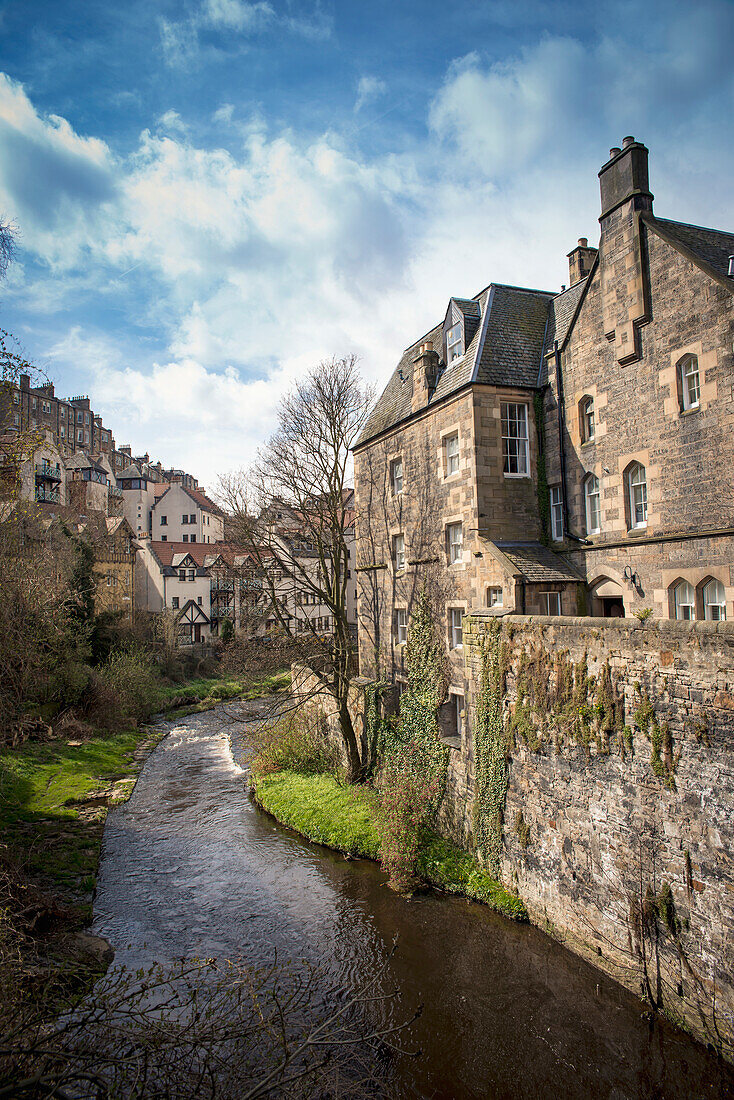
212,196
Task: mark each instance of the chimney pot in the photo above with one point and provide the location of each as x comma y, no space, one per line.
627,141
583,242
613,152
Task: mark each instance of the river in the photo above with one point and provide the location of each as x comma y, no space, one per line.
191,867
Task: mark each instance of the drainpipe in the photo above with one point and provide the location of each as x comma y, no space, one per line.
562,450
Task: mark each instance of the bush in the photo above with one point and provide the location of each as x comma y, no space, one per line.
408,787
295,743
129,676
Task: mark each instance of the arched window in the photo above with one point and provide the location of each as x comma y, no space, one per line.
684,600
636,484
714,600
586,419
689,382
593,505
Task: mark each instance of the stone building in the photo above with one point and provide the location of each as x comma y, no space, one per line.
557,454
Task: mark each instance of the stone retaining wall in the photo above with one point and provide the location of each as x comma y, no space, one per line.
593,821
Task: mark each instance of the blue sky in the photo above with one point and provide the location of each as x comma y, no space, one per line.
213,195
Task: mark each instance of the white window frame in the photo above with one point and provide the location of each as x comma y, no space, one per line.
637,496
456,632
684,600
396,476
454,343
398,552
690,382
493,600
714,609
451,452
588,425
589,495
515,444
401,625
454,545
551,598
556,511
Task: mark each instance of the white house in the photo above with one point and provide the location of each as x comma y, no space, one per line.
185,515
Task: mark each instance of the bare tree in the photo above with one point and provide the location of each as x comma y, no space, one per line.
8,236
293,513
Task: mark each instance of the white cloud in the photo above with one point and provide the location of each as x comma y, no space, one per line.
236,14
369,88
223,115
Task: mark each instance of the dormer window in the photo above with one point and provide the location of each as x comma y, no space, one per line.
454,343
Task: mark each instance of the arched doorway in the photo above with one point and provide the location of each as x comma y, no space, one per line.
607,599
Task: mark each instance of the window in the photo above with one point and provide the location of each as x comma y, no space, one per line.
636,496
454,343
181,572
192,519
396,476
185,538
586,419
80,435
193,538
164,521
86,437
164,538
456,635
515,452
494,597
109,580
62,432
33,402
401,626
689,382
714,601
184,519
174,603
398,552
192,574
451,451
79,418
86,418
556,511
16,400
593,507
550,603
454,542
684,601
199,600
62,412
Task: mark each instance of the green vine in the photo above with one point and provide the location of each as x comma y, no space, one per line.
663,759
522,830
491,747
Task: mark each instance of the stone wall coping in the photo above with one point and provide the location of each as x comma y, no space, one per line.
669,627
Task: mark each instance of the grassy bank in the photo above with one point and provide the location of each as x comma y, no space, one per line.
343,818
203,693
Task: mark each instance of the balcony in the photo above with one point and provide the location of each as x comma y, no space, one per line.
48,472
47,496
221,586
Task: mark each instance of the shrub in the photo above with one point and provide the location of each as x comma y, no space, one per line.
295,743
130,675
409,786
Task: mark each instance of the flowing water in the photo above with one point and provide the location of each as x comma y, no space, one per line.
192,868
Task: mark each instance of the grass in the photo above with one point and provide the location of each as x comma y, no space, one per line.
203,693
344,818
319,808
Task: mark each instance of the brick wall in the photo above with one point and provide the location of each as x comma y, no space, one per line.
599,818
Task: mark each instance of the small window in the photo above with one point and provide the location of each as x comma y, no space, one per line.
181,572
192,519
16,401
184,519
33,402
199,600
185,538
164,521
454,343
714,601
454,542
164,538
451,448
515,447
193,538
586,419
398,552
109,580
556,513
592,500
62,432
401,625
456,616
80,435
550,603
689,382
396,476
684,601
636,496
79,417
494,597
192,574
174,603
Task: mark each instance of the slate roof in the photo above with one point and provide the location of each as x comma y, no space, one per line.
505,350
560,316
711,247
537,563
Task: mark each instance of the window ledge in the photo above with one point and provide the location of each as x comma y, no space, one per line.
690,410
588,442
636,532
516,477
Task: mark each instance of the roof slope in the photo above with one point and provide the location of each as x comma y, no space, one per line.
505,350
710,247
561,314
537,563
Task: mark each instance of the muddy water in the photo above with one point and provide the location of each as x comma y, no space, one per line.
191,867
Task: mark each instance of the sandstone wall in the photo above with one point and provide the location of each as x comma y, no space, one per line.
592,818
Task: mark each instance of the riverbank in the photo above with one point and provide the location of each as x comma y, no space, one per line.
345,819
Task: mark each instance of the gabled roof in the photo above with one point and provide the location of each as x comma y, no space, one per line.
505,350
132,471
203,554
708,248
200,498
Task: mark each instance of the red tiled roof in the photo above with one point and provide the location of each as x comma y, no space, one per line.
199,551
204,502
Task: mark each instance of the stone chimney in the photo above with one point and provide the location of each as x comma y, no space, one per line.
425,374
580,260
25,381
625,196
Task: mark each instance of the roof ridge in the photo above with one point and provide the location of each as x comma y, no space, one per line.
691,225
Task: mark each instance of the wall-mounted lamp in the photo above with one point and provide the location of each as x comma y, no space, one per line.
630,575
478,554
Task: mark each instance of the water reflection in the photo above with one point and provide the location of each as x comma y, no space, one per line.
191,867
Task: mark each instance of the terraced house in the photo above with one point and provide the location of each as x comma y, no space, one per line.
560,453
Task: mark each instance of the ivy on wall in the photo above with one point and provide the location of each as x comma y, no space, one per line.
491,746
